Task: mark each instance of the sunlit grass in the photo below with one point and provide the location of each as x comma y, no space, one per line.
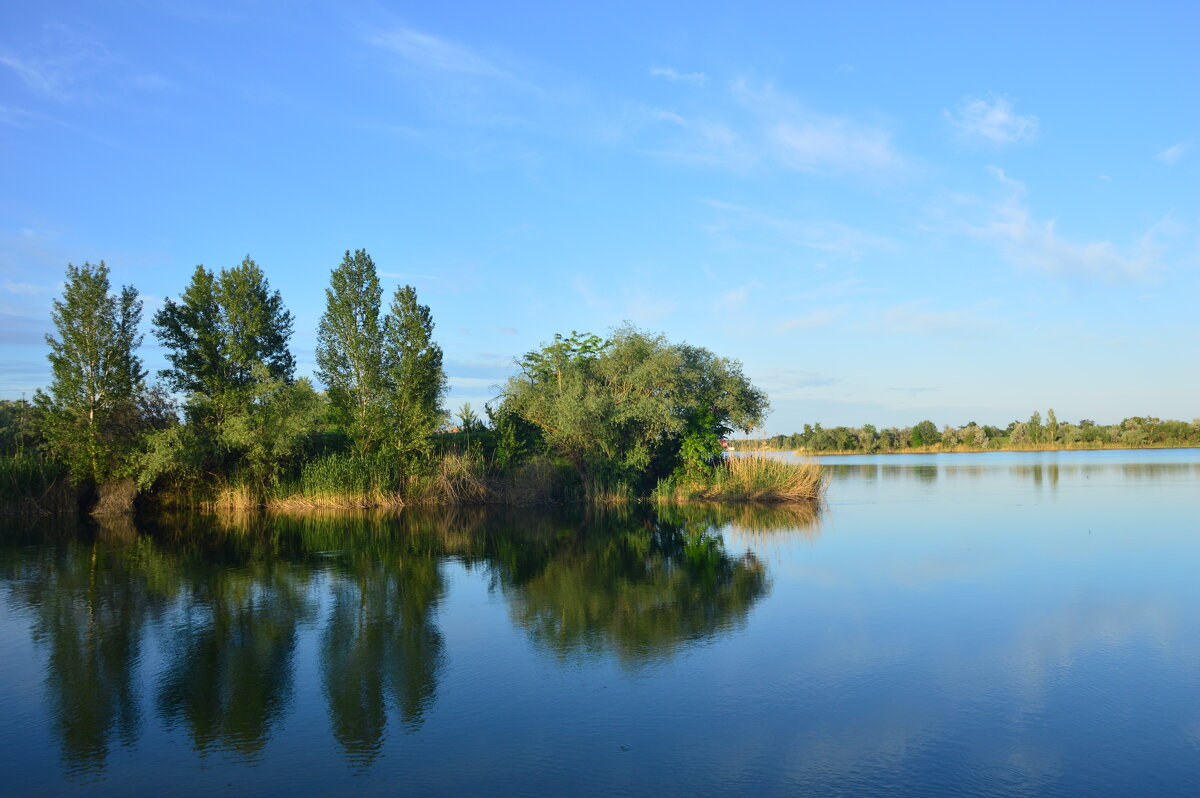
752,478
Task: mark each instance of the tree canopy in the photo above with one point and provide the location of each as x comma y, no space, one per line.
89,416
629,407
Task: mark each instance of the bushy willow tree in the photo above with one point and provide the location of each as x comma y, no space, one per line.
90,417
633,408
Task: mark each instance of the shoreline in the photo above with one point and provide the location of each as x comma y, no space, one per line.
959,450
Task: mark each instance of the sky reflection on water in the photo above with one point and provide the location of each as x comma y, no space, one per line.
1006,624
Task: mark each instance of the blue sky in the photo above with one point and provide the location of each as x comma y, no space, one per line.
887,212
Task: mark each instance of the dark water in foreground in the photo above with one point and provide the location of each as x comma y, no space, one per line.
998,624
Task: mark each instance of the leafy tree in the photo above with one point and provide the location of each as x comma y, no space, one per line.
1051,433
89,418
271,430
622,409
413,371
350,349
868,438
925,434
950,436
1034,427
223,327
227,343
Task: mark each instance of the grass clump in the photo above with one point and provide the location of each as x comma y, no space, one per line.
30,484
751,478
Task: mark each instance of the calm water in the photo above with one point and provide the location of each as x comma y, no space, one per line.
995,624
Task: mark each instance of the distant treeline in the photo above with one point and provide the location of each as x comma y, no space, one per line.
1035,433
230,423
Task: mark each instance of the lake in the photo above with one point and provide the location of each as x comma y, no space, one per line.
993,623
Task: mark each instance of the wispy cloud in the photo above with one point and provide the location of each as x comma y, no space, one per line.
832,144
1173,153
812,321
811,141
1037,244
826,236
23,289
67,66
755,124
992,121
785,383
670,73
918,318
435,54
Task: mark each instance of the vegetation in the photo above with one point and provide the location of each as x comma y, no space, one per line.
747,478
1033,434
231,425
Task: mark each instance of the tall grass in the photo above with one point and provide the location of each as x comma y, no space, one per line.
346,480
30,484
751,478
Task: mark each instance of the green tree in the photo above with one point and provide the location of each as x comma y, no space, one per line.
925,433
1034,427
271,431
1051,432
89,417
623,409
221,328
227,343
416,382
350,351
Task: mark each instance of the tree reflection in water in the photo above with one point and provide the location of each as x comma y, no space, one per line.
232,595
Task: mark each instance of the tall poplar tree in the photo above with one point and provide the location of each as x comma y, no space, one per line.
89,417
222,327
350,348
413,368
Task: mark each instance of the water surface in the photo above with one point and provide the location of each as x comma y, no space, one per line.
997,623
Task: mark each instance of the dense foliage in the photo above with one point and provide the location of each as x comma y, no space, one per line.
90,417
231,424
633,408
1135,431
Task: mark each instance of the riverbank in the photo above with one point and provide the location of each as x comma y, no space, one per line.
939,449
456,479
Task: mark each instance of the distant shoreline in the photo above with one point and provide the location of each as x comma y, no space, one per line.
962,450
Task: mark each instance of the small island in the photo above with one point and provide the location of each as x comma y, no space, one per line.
585,418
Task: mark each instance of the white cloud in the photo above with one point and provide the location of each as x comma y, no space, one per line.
994,122
830,144
434,54
764,125
1037,244
1173,153
670,73
810,141
66,66
23,289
